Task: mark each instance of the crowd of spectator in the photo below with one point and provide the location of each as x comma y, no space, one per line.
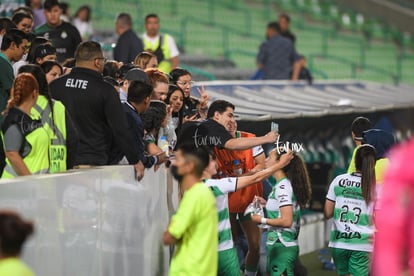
66,106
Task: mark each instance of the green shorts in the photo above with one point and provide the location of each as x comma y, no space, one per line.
228,263
351,262
280,258
242,217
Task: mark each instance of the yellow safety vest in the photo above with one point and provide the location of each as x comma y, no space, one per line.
165,65
56,128
37,161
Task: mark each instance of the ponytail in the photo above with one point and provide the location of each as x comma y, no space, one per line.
297,173
22,89
365,163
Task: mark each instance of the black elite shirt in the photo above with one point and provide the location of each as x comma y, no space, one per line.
207,133
97,113
65,38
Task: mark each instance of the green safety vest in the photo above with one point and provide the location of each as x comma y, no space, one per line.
37,161
56,128
165,65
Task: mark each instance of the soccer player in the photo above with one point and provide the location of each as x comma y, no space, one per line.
250,160
291,192
228,263
350,202
194,226
359,125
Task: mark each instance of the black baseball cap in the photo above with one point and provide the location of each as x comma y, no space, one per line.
137,74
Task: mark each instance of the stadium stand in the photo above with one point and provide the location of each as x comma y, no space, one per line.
339,42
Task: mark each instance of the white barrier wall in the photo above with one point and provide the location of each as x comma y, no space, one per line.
93,222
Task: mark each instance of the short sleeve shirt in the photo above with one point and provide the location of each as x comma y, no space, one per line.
277,55
208,133
352,226
14,267
195,227
282,195
221,188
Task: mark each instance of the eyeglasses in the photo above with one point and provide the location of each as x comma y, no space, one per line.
103,58
185,83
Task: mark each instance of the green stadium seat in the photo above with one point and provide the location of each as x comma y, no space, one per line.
340,42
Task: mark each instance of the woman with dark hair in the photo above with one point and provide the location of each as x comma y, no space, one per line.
193,107
56,121
291,192
23,21
154,119
350,201
146,60
14,231
175,99
111,69
52,70
26,141
82,22
37,41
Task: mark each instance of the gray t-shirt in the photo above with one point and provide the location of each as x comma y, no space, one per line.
13,140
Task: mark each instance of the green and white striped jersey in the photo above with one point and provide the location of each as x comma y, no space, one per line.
220,189
352,226
282,195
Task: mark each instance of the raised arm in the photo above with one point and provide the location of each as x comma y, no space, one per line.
247,143
245,181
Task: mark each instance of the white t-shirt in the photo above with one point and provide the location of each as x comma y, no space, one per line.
85,28
257,150
171,42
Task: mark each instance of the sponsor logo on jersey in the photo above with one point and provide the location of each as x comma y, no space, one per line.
352,194
348,235
345,182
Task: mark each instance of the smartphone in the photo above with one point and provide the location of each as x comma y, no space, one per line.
194,112
274,127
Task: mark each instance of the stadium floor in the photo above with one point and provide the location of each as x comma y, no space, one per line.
314,266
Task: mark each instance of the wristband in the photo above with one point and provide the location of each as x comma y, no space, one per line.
263,220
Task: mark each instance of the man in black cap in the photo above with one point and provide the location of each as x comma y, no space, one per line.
96,110
138,101
44,52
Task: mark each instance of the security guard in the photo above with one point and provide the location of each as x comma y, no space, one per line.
26,141
163,46
36,159
56,127
95,109
57,122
